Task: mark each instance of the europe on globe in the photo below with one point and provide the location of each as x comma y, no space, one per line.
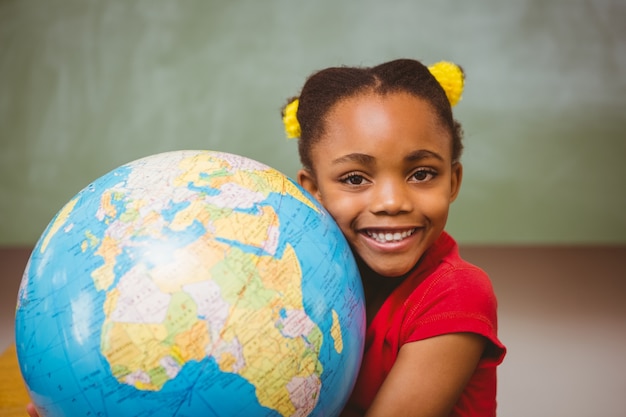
190,283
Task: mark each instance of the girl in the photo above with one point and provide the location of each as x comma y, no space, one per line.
381,151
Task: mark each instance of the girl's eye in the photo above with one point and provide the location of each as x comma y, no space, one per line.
353,179
424,174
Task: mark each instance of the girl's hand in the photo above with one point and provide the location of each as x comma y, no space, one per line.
32,412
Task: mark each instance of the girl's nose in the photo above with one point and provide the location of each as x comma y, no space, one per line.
391,197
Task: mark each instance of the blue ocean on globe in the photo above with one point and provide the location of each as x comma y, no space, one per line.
190,283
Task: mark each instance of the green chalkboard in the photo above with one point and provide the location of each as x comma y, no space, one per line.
86,86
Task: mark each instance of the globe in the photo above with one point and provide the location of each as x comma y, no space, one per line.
190,283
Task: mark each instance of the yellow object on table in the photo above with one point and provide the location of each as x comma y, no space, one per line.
13,394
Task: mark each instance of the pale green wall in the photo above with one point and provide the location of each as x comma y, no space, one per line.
86,86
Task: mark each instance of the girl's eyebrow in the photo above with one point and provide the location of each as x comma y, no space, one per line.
360,158
422,154
365,159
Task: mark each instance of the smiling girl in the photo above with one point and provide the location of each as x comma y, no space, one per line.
380,150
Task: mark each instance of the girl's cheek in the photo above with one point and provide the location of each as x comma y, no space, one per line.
341,210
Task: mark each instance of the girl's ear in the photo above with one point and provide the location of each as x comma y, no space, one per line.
457,177
307,180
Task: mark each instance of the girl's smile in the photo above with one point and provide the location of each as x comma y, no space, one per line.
389,236
384,171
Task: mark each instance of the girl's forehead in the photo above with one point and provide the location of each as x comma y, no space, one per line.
376,113
370,95
367,107
377,124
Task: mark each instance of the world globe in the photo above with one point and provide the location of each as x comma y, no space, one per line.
190,283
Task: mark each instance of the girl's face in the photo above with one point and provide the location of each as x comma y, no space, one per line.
383,170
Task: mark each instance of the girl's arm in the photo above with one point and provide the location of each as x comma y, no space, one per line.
429,376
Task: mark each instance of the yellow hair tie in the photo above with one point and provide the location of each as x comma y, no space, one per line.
292,127
450,76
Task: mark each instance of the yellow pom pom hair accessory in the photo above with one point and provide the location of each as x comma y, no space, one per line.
292,126
451,78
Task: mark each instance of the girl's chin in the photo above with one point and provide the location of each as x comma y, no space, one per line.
389,261
373,270
392,272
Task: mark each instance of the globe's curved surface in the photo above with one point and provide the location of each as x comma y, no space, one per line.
190,283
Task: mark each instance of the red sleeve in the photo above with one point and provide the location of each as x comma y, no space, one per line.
454,299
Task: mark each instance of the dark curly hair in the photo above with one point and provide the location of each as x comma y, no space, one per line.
323,89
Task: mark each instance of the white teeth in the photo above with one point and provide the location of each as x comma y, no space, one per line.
390,237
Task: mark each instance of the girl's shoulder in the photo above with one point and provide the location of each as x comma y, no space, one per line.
444,270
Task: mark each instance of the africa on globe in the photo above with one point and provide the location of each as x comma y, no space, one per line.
190,283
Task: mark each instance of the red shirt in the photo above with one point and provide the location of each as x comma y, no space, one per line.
444,294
